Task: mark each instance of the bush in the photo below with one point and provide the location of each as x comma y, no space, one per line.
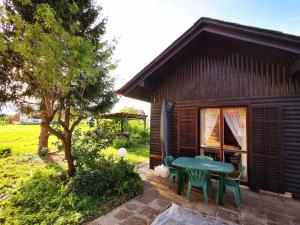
3,120
122,142
110,128
138,134
135,133
143,136
5,152
97,175
110,178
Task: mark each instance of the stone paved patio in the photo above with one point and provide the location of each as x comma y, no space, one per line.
257,208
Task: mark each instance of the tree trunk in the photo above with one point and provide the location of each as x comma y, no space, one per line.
44,133
68,154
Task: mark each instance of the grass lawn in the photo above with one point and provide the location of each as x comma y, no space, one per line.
21,138
136,154
34,191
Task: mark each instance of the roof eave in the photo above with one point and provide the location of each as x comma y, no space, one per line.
259,36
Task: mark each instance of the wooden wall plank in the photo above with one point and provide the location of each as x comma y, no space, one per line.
207,75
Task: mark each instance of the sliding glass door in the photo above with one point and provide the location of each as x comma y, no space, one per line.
223,135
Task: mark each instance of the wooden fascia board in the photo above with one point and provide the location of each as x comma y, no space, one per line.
249,38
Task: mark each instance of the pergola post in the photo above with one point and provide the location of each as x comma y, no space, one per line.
122,126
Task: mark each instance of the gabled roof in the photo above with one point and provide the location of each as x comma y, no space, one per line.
135,88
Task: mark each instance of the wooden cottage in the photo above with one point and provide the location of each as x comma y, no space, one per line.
236,96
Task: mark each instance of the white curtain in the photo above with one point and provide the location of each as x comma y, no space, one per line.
236,120
209,118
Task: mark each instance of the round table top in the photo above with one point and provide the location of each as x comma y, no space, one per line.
208,165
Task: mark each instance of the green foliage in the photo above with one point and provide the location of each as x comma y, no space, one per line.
58,65
40,197
122,142
44,152
87,146
98,175
3,120
5,152
138,134
107,178
109,128
32,192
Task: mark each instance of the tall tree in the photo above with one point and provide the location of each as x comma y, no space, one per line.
81,18
65,72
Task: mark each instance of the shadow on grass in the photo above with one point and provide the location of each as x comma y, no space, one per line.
54,161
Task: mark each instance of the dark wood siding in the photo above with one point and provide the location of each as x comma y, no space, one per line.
211,75
291,148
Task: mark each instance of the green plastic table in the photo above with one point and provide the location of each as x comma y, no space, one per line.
213,166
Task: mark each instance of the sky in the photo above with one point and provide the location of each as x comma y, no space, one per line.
144,28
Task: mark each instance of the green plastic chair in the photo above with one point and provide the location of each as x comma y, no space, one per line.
204,157
173,171
200,179
234,185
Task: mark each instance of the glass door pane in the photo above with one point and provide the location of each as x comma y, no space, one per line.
235,130
210,128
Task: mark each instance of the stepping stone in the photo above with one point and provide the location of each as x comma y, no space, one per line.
276,218
123,214
134,221
163,203
149,213
252,216
133,205
147,196
210,210
228,215
159,204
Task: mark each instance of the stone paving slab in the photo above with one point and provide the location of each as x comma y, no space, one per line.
256,208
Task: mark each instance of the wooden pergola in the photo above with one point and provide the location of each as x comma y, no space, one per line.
123,116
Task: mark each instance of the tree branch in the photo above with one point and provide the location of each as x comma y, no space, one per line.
62,122
58,134
76,122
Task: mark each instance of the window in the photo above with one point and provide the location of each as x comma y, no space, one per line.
223,135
